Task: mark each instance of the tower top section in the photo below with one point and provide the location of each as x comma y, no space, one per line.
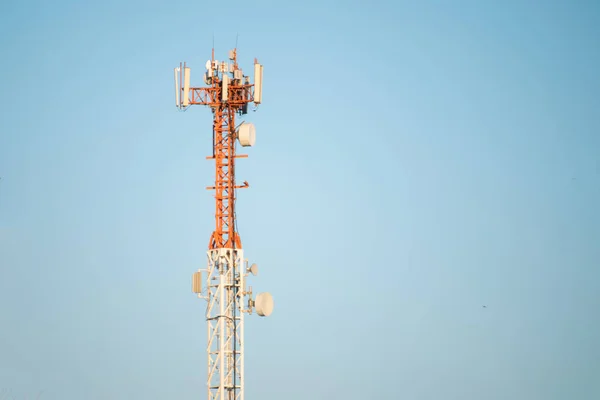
225,82
227,91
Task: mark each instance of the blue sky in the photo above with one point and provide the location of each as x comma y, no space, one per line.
414,162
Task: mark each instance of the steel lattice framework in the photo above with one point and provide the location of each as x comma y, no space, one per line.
224,286
225,316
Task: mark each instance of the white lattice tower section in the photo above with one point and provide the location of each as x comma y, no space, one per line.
225,295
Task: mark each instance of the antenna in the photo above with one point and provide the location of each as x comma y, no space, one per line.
223,283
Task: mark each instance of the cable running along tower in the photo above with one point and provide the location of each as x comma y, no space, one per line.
228,93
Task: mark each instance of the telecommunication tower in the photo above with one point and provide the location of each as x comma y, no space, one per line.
228,92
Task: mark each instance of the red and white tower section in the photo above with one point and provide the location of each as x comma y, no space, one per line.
228,93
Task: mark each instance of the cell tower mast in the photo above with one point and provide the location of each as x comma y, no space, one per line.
228,92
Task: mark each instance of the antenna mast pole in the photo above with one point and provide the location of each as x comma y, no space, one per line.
228,92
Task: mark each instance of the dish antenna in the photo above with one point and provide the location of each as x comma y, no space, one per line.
253,269
264,304
246,134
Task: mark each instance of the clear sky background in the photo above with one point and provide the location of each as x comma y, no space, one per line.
415,161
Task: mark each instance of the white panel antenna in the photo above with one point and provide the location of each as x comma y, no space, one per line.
186,87
258,71
177,87
197,282
225,88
